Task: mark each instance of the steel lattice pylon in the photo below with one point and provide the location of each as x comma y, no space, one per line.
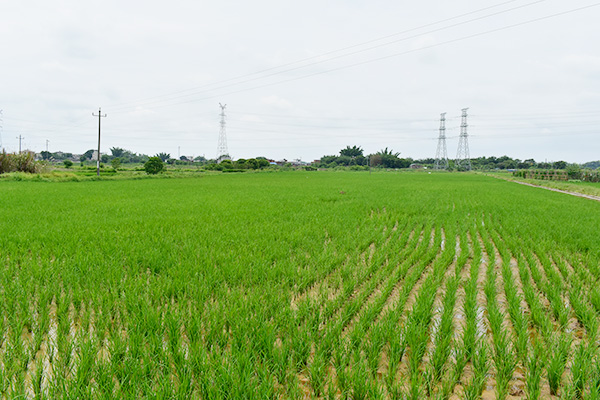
463,158
441,155
222,152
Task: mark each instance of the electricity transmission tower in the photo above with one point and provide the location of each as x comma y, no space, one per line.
222,152
463,158
441,155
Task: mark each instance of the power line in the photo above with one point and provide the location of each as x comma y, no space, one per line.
197,90
372,60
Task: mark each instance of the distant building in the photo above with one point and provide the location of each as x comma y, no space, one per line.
416,166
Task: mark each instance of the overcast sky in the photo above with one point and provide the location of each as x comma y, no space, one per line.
303,79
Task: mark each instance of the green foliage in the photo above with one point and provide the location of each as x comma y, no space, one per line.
573,171
226,164
68,163
163,156
354,151
154,165
88,154
115,162
117,152
18,162
388,159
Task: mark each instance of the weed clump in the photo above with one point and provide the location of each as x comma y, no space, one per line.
18,162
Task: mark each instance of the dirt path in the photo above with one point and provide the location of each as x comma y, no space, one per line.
587,196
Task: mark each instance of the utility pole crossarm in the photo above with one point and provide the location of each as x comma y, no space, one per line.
100,116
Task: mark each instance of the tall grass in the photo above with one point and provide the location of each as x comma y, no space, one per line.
18,162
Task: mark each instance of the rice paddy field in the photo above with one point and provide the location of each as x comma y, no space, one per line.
298,285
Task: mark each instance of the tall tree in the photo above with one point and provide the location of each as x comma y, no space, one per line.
163,156
117,151
353,151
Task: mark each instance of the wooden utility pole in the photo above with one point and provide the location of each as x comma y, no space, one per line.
100,116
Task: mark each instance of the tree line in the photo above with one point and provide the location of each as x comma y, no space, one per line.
387,158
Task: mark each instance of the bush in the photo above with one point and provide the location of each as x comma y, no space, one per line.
116,163
68,163
22,162
154,165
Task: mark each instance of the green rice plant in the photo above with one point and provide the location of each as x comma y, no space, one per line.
416,390
475,386
535,363
373,350
503,356
538,316
317,372
583,312
557,361
396,349
292,389
580,369
360,383
518,318
469,336
443,339
460,361
595,380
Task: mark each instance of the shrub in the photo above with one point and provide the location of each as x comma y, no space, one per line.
68,163
22,162
116,163
154,165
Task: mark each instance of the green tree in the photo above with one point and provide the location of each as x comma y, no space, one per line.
388,159
252,163
154,165
344,160
240,163
163,156
226,164
46,155
262,162
353,151
560,165
116,162
574,171
117,151
88,154
68,163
